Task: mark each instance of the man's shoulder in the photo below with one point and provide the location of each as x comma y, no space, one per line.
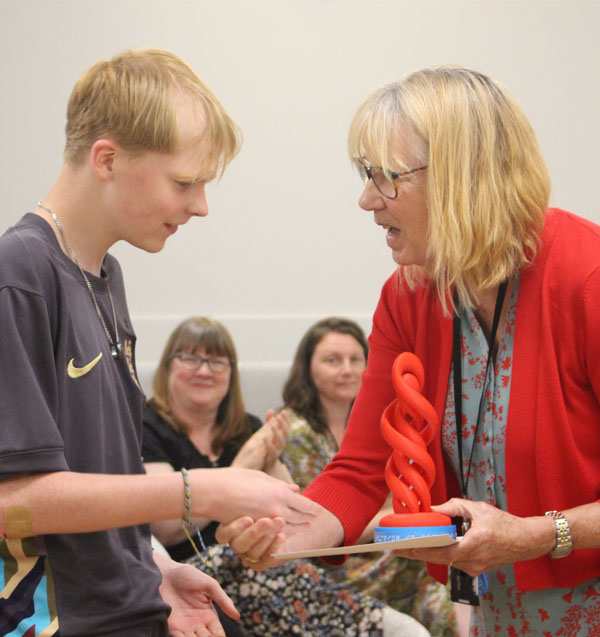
24,249
29,227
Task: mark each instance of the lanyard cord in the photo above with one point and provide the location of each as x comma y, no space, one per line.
457,364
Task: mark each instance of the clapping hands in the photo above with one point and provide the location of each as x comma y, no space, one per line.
262,450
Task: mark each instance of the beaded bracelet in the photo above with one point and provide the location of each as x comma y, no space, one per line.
187,517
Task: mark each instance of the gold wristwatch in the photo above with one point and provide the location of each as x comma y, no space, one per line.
564,542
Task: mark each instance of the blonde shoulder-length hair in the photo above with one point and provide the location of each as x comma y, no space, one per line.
213,336
487,182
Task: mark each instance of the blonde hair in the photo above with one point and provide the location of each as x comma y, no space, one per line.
132,98
487,182
213,336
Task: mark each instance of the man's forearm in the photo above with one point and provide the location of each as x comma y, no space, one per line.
68,502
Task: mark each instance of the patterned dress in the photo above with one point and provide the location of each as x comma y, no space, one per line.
505,610
295,598
400,583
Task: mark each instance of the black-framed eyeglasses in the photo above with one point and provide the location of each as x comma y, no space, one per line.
217,365
385,181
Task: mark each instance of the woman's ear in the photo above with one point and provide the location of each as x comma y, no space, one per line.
102,157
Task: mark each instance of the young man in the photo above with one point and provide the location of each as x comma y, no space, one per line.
144,136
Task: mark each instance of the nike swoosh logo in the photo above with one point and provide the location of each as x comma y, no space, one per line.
76,372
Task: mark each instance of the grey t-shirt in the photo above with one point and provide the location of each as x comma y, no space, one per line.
56,418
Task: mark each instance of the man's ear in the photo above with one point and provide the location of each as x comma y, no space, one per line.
102,157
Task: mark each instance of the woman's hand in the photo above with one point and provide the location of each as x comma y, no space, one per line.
190,593
253,452
494,539
276,429
264,447
256,542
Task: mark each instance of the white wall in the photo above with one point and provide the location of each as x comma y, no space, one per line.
285,242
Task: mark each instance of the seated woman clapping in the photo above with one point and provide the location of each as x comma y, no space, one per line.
196,418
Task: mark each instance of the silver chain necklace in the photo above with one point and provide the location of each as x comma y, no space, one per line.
116,349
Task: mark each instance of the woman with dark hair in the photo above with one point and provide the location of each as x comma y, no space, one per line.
197,418
300,392
318,394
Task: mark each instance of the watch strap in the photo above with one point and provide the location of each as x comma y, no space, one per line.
564,541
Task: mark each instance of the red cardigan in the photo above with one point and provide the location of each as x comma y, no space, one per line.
553,427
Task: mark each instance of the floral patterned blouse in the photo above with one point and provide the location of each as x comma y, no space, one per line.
505,610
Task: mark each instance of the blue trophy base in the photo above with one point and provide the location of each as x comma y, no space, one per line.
393,533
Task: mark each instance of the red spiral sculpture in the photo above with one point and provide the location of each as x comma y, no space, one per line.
408,424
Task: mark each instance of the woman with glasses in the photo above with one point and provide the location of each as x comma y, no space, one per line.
196,419
486,273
